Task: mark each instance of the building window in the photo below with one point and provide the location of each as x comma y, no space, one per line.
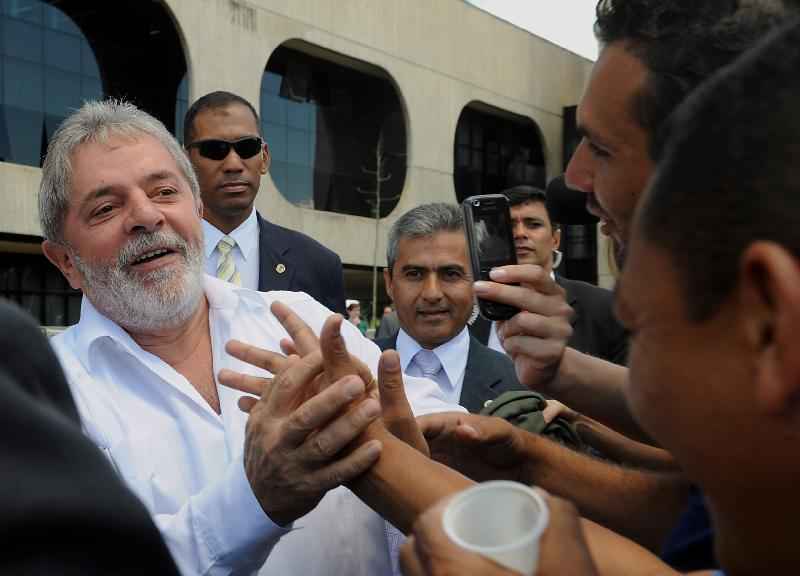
39,287
336,131
46,68
55,55
181,107
494,150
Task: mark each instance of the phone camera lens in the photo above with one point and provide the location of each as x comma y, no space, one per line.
476,203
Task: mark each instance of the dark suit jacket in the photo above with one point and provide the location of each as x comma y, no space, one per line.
307,265
63,510
487,374
595,329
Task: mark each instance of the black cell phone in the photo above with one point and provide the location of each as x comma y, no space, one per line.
491,244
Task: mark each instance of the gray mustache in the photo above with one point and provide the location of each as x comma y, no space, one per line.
148,242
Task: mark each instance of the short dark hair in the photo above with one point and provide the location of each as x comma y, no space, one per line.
729,173
212,101
523,194
681,43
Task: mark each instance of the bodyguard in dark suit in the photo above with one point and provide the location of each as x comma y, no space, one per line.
289,260
222,139
595,330
63,510
428,277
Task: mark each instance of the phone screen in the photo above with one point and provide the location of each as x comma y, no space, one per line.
491,235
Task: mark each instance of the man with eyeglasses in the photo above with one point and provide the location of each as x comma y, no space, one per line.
223,141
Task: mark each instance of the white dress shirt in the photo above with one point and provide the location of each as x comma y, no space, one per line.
452,354
245,253
494,339
185,461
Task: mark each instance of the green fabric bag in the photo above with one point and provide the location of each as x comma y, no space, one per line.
524,409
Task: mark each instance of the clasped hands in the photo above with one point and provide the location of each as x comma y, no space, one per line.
319,421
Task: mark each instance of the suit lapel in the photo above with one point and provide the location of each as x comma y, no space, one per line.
481,329
275,271
387,343
479,379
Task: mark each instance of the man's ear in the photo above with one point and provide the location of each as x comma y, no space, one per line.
556,238
769,287
60,257
200,206
387,282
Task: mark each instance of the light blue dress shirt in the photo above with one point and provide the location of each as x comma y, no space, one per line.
245,253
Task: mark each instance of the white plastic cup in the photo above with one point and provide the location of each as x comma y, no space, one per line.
501,520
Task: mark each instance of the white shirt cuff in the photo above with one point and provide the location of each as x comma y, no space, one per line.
232,522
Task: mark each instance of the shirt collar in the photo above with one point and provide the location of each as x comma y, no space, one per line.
94,327
245,235
452,354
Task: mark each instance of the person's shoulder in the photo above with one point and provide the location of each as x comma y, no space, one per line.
297,239
291,298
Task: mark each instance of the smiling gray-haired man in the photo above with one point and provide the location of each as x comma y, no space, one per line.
120,211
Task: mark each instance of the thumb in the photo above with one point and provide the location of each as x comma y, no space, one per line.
397,415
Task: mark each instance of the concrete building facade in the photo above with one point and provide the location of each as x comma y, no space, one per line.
440,58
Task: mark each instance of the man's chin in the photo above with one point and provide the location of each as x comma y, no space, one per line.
528,259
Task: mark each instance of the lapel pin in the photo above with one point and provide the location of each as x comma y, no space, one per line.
280,268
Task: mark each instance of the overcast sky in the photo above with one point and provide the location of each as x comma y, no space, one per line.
567,23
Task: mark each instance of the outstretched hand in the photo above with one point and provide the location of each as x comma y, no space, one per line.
480,447
563,550
537,336
331,352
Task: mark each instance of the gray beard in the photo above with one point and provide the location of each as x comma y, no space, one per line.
162,299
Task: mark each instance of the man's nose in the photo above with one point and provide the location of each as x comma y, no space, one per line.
232,162
579,174
144,215
431,288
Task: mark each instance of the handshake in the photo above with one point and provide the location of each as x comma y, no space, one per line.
323,420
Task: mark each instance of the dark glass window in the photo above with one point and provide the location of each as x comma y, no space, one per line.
54,55
335,127
494,150
181,107
40,288
46,68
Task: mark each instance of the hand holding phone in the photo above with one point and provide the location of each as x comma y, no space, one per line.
487,221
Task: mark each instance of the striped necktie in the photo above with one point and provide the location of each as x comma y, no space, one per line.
226,267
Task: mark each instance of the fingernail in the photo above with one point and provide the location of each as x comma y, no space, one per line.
391,361
223,374
498,274
481,287
469,430
354,387
371,408
373,448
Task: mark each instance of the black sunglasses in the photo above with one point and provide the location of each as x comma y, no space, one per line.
246,147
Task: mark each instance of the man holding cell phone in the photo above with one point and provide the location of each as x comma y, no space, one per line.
229,155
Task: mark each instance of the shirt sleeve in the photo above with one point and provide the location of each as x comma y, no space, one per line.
221,530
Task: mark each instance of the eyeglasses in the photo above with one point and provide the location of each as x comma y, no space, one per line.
246,147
